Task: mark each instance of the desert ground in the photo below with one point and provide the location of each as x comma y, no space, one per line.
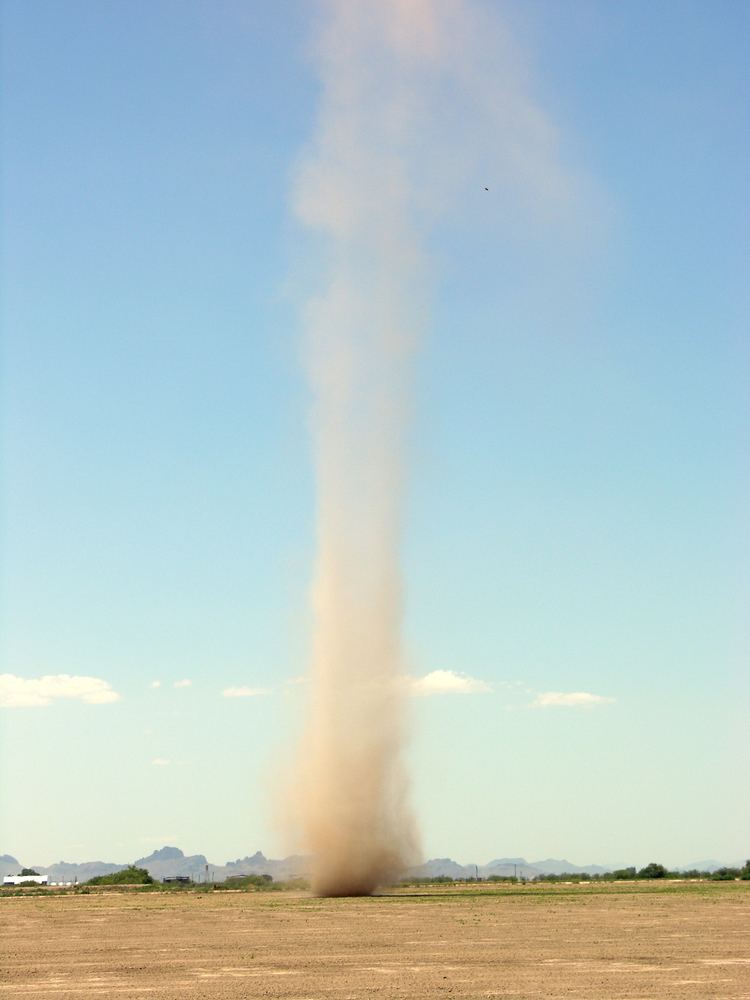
597,941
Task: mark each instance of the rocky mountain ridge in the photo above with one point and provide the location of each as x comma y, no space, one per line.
172,861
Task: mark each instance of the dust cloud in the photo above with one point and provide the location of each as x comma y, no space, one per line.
413,94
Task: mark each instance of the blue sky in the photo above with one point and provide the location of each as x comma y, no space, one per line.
577,515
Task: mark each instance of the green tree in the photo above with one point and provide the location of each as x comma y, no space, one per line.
726,874
623,874
128,876
653,870
28,871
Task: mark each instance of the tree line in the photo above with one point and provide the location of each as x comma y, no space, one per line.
652,870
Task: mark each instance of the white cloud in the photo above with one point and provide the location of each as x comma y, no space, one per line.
26,692
155,684
244,692
182,684
571,699
160,762
447,682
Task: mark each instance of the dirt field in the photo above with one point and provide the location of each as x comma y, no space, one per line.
645,941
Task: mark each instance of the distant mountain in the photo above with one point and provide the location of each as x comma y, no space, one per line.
9,865
506,867
295,866
503,868
441,868
256,864
448,868
709,865
508,871
166,854
169,861
172,861
65,871
555,866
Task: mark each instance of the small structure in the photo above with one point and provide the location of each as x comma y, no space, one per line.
20,879
182,879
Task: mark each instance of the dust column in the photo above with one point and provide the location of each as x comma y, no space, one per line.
356,186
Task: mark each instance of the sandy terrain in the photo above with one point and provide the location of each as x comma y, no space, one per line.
557,942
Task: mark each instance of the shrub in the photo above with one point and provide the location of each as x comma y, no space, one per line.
248,882
128,876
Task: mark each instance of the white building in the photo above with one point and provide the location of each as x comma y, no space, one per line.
17,879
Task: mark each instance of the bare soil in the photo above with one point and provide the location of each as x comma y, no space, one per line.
594,941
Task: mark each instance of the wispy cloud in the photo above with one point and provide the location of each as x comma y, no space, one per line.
155,684
161,762
31,692
244,692
570,699
447,682
183,683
